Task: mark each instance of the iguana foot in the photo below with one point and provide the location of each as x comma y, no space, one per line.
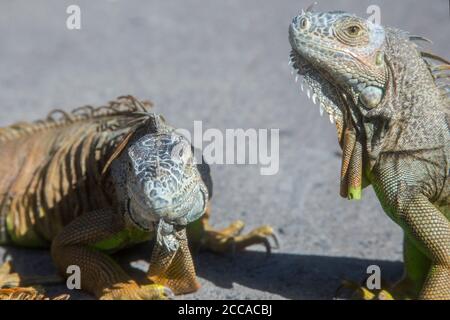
11,290
132,291
358,291
230,238
27,293
8,278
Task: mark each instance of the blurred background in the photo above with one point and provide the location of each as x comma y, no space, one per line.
225,63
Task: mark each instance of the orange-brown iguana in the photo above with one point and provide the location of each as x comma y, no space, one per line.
102,179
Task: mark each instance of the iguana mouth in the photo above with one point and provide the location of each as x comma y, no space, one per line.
142,223
185,209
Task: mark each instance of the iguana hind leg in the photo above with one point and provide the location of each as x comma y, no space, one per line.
99,273
229,239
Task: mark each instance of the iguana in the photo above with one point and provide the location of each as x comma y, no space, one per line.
97,180
389,100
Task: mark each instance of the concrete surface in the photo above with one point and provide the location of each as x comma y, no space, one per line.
225,63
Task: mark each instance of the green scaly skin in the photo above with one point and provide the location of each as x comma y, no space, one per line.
390,105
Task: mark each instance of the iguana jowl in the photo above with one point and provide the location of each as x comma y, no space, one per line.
390,105
102,179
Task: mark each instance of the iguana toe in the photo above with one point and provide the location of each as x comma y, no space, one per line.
260,235
28,293
230,239
135,292
155,292
360,292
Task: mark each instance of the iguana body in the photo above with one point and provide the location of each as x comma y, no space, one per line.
103,179
392,115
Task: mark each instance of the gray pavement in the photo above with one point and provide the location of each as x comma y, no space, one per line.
225,63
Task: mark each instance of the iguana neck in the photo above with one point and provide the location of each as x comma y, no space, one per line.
412,100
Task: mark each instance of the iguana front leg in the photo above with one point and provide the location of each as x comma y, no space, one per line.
174,269
429,229
426,247
427,234
416,268
100,274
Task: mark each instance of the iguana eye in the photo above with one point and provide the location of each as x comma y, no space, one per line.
352,33
353,30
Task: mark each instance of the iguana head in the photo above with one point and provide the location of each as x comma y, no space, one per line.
370,79
160,179
342,60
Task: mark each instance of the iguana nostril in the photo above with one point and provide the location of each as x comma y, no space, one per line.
304,23
301,23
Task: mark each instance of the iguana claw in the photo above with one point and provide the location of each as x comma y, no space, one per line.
360,292
27,293
230,238
260,235
135,292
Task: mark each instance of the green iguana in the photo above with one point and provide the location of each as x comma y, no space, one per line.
390,105
98,180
